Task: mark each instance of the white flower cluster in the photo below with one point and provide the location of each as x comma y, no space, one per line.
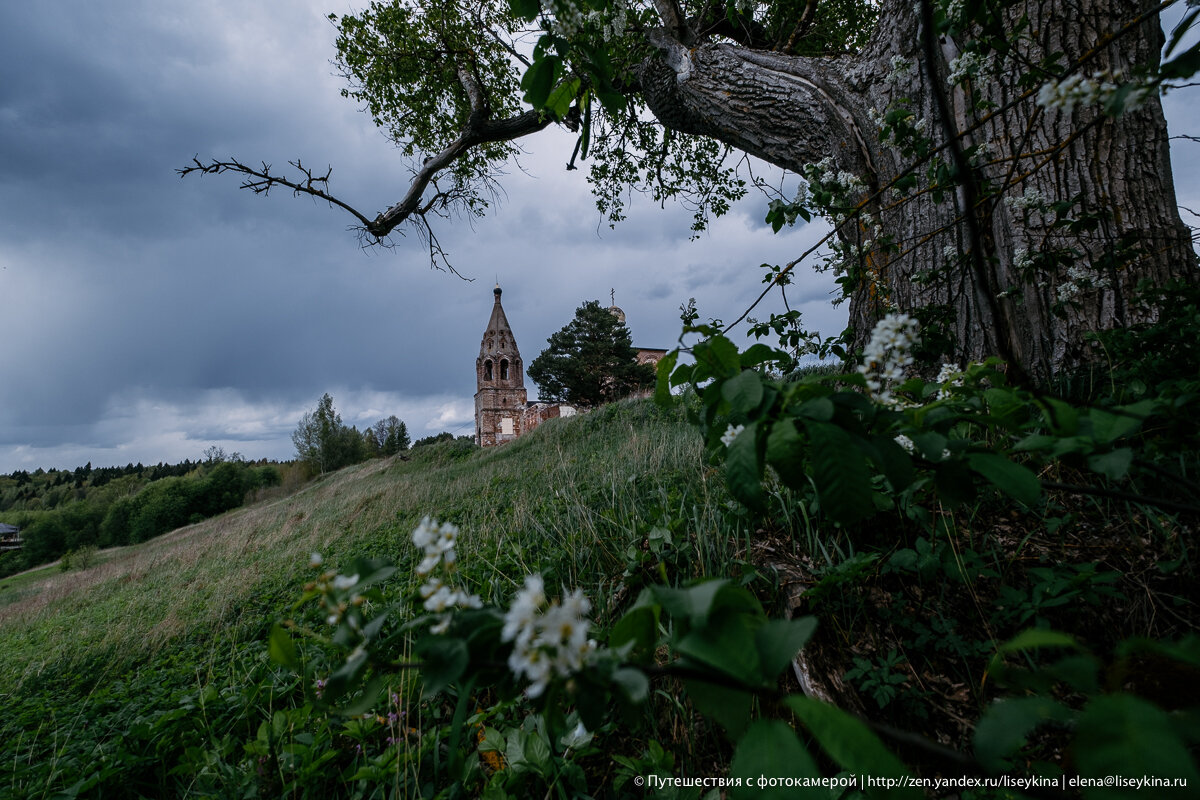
983,152
1079,279
731,433
1076,90
888,353
969,65
567,18
613,25
549,638
1022,260
333,590
948,377
901,67
917,127
955,10
839,182
1031,200
906,443
437,540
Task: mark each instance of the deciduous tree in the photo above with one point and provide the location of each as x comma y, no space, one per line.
322,440
999,169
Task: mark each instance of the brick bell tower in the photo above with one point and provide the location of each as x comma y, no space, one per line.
500,397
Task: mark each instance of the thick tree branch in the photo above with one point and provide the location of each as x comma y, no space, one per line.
489,131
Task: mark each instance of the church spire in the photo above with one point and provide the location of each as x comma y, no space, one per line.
500,397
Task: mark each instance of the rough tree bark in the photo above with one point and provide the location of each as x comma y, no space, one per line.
791,111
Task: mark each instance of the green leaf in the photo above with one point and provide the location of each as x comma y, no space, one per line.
662,385
743,472
785,452
1035,638
539,80
693,604
759,353
850,743
894,462
818,408
1014,480
729,707
1114,465
1062,416
770,749
1120,734
743,392
1006,725
727,644
840,473
525,9
720,354
1035,441
443,661
559,101
932,445
1108,427
639,627
633,683
282,649
779,640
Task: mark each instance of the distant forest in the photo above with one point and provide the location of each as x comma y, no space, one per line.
63,511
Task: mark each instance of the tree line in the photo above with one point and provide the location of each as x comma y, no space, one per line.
42,489
326,444
106,511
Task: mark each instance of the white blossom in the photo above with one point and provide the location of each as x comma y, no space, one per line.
731,433
949,376
900,67
1022,260
1099,89
1031,200
437,540
968,65
888,353
550,638
345,581
567,18
955,9
905,442
1079,279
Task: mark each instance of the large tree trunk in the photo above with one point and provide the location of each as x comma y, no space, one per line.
974,275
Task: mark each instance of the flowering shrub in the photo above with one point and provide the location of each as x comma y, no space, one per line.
550,639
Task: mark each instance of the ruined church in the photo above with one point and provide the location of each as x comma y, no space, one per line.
503,410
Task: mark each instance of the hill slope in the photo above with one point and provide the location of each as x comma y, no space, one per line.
88,659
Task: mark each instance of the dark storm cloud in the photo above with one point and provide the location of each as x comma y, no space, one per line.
160,315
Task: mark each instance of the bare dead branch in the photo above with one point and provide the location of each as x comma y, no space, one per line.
262,181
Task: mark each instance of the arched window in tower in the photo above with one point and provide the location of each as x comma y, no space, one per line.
487,370
504,369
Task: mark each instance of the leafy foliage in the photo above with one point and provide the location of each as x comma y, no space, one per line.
590,361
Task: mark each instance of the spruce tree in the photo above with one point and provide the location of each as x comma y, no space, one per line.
590,361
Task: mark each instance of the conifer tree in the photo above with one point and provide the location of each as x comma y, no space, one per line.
590,361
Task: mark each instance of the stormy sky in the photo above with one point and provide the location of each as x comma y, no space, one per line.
146,317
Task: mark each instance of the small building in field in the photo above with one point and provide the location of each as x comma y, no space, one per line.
10,537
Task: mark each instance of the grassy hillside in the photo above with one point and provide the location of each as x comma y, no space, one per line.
151,672
90,658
